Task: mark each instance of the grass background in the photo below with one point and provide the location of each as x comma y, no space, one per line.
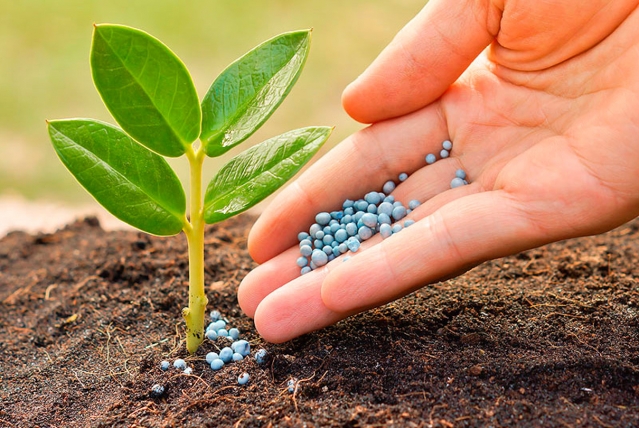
44,68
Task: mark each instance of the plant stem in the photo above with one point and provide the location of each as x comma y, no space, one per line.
194,314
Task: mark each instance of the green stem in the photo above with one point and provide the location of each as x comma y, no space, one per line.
194,314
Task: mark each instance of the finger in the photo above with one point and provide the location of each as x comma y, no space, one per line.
266,278
423,60
360,164
529,43
459,235
295,309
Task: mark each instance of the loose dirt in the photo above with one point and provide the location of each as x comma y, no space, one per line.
549,337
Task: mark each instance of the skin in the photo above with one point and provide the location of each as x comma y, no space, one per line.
541,101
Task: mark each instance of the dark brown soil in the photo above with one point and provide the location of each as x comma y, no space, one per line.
549,337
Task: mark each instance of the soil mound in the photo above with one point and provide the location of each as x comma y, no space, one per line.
549,337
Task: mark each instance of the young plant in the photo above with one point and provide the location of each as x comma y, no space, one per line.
149,92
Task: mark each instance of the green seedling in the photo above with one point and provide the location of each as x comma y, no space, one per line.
151,95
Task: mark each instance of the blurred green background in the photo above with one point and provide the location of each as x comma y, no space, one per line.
44,67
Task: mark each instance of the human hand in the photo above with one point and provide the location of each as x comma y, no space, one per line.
545,122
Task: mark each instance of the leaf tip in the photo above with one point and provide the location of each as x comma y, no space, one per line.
100,27
50,124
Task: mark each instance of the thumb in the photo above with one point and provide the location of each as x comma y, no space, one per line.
423,59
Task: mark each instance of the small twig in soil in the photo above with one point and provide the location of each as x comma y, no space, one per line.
237,423
84,282
12,299
94,374
432,411
568,300
150,302
585,344
274,400
224,388
408,394
126,368
568,402
157,343
565,315
107,333
206,385
558,314
76,376
272,370
602,423
548,305
297,386
322,378
48,356
47,292
534,272
121,347
178,342
145,408
234,277
399,343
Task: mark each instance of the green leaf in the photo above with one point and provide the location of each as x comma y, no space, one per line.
131,182
257,172
249,90
147,89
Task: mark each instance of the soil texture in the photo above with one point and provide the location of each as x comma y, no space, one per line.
548,337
